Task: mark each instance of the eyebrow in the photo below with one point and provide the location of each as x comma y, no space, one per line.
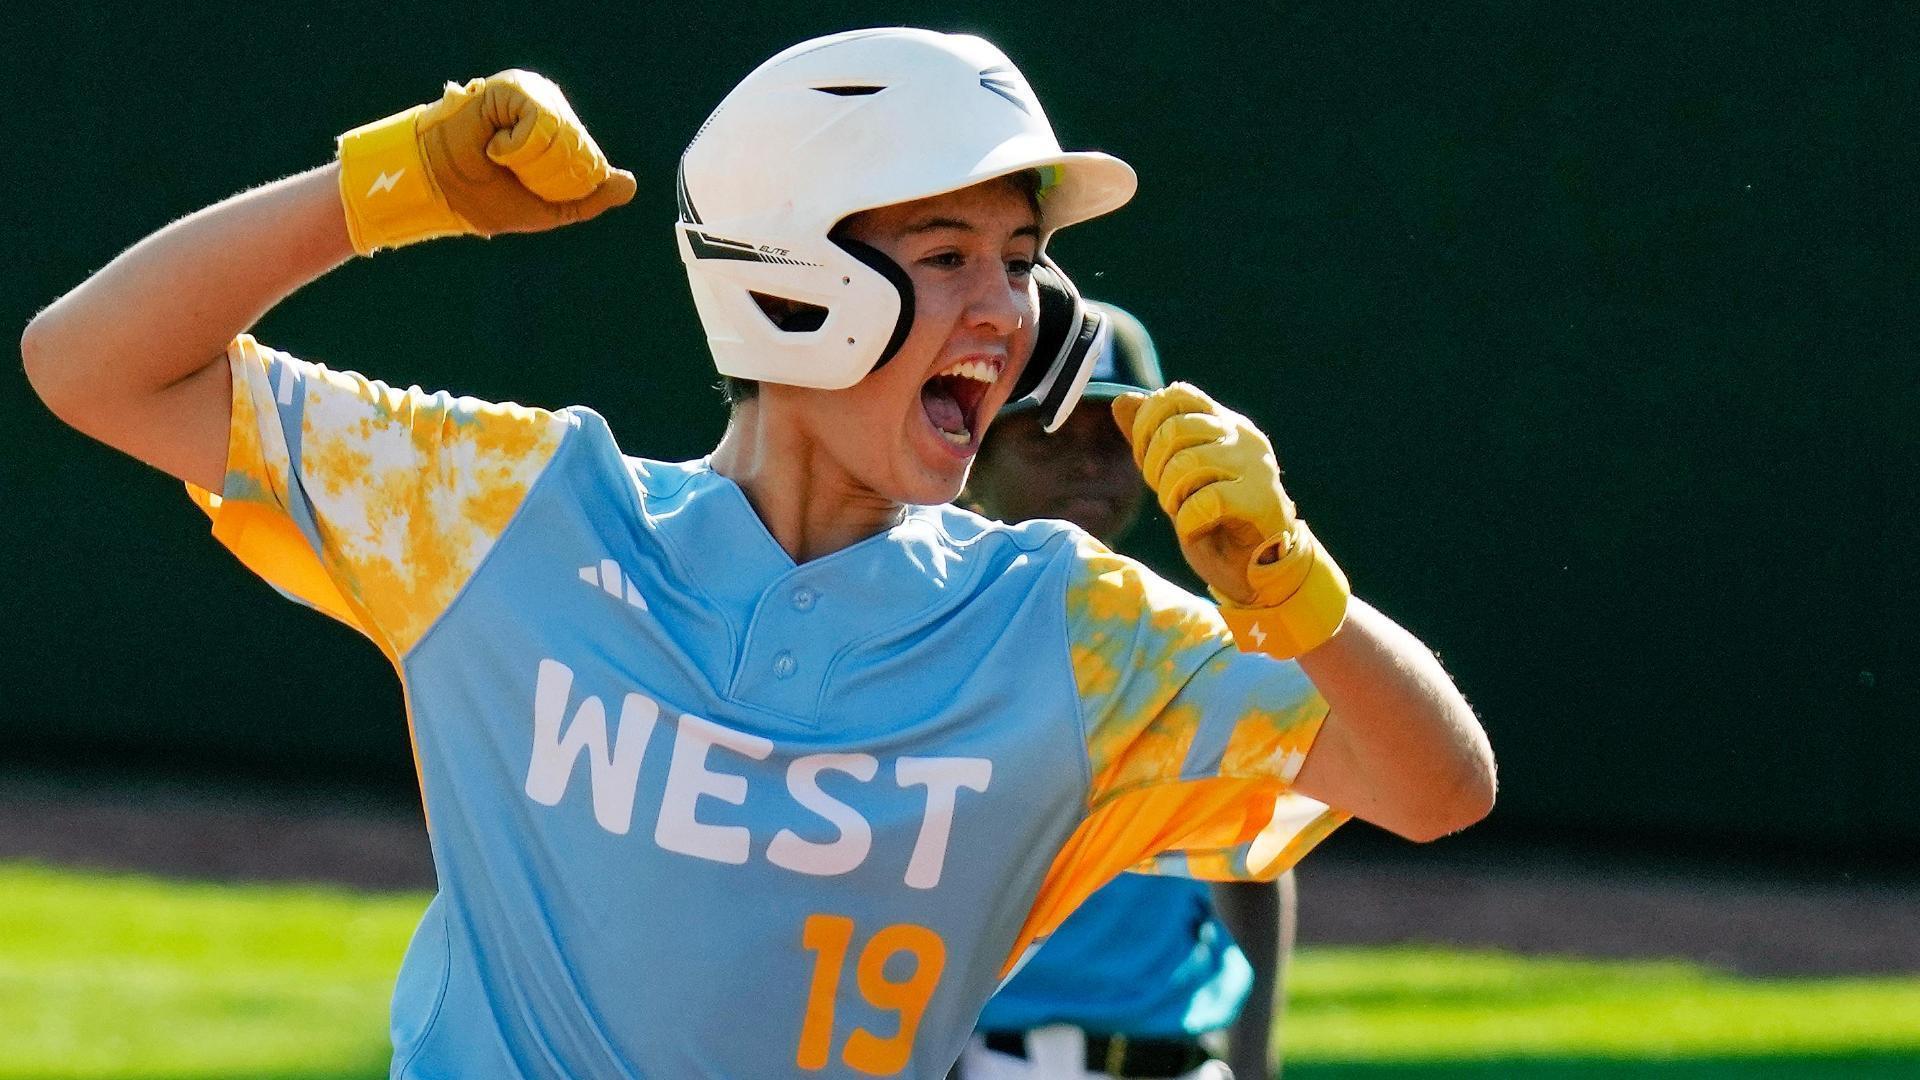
936,224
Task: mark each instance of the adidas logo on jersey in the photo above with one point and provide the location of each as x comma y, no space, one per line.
608,577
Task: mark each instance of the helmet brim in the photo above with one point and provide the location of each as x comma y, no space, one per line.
1079,185
1075,185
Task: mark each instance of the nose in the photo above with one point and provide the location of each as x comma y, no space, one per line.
1001,306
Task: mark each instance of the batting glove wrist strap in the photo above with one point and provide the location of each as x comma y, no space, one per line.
503,154
387,189
1216,476
1301,599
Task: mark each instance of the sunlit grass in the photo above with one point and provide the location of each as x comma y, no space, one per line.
1434,1004
121,977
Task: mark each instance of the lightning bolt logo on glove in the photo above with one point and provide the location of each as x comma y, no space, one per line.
1215,475
384,182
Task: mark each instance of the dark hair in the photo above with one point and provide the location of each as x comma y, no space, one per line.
735,391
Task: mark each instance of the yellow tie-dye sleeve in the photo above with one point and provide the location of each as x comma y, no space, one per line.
370,503
1192,744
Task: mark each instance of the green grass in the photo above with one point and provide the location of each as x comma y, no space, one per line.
129,977
118,977
1447,1013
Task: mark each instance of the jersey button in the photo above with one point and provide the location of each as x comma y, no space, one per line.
784,665
803,598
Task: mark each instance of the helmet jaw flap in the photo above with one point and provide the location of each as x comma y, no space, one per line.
864,307
1067,341
831,127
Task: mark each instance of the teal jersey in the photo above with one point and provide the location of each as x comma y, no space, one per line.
698,811
1144,957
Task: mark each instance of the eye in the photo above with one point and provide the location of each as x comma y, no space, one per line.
945,259
1019,268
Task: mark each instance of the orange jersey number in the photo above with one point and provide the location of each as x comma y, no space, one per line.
829,937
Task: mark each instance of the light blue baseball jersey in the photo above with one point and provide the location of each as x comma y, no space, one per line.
697,811
1144,956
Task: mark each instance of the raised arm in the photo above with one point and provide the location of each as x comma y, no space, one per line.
1400,746
134,355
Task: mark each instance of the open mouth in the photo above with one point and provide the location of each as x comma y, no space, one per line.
952,399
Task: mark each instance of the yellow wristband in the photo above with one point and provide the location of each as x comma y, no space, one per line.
1307,617
388,193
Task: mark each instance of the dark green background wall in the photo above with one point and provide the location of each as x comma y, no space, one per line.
1584,333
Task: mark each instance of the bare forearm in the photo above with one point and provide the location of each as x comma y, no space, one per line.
167,306
131,355
1401,748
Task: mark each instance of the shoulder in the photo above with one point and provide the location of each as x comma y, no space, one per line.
1106,587
1036,557
963,528
594,448
1099,584
346,428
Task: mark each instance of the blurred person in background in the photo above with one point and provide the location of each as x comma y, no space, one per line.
1142,980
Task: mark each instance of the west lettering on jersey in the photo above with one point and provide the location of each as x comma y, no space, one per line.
944,777
688,778
697,770
847,851
615,775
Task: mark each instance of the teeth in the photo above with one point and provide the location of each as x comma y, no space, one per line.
985,371
957,438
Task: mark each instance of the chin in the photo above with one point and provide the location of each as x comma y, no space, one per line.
931,488
935,493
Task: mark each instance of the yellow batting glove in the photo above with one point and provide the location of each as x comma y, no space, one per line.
1216,477
498,155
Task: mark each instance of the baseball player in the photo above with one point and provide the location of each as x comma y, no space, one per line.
1132,979
767,763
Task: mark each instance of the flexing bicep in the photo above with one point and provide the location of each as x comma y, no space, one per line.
180,430
134,356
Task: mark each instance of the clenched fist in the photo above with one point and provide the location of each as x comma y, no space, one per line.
498,155
1216,477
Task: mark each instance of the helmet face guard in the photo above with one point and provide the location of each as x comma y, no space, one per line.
852,122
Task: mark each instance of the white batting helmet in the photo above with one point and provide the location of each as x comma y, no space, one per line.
851,122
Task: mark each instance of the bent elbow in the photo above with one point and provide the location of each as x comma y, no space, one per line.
1472,806
33,355
1467,804
62,377
39,357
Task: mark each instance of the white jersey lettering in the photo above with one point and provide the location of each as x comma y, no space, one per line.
612,776
856,836
688,778
692,774
944,777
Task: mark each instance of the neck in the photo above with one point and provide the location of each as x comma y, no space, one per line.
808,502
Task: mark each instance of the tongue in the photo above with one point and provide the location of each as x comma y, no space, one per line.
945,412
